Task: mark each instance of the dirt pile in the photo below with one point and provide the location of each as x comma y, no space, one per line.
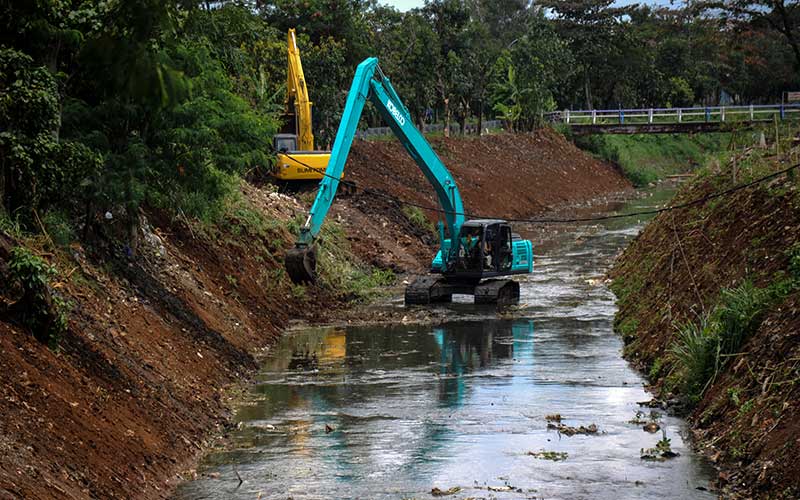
156,337
504,175
746,413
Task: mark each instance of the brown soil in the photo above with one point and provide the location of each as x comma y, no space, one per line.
142,378
505,175
673,272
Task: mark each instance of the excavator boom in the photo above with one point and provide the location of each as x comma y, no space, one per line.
297,93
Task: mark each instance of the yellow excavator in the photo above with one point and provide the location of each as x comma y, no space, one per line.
297,159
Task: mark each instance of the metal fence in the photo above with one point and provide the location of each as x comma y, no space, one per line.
455,128
708,114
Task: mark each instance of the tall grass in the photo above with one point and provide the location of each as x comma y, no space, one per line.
704,346
696,353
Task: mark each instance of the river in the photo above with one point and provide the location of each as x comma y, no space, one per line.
394,411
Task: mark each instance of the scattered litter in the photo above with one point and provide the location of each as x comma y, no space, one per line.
555,456
555,417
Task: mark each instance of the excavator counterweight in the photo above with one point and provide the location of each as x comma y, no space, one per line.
473,255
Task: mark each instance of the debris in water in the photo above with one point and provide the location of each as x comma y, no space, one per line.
441,493
555,456
328,429
571,431
661,452
554,417
651,427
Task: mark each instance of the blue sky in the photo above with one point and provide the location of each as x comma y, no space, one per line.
405,5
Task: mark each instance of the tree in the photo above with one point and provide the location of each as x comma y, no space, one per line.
591,28
448,19
780,15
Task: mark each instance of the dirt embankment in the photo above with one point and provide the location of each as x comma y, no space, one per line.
746,416
506,175
155,339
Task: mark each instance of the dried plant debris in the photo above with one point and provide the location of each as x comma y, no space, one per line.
555,456
568,430
443,493
661,452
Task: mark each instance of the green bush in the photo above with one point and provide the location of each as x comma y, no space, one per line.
739,315
696,353
417,217
704,346
42,310
38,169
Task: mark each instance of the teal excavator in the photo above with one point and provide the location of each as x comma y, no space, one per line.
473,256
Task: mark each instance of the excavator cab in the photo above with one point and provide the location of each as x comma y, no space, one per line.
485,249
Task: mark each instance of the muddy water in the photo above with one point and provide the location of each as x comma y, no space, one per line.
395,411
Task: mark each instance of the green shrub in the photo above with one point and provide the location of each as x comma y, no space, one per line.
59,228
704,346
417,217
45,319
739,315
695,352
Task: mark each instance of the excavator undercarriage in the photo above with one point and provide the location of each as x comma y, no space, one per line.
432,289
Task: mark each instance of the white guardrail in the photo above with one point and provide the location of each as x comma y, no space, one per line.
709,114
455,128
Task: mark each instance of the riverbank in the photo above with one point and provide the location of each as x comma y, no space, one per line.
648,158
708,307
131,391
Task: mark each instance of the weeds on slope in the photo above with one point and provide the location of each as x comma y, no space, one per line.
705,345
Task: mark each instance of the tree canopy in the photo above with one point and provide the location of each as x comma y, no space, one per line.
106,105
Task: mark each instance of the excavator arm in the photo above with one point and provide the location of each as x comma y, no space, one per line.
370,83
297,93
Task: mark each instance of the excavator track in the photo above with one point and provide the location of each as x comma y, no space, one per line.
431,289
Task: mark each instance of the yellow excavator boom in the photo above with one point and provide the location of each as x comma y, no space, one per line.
297,93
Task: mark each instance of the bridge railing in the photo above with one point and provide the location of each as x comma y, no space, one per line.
708,114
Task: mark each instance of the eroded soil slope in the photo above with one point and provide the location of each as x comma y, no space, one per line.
156,336
505,175
747,418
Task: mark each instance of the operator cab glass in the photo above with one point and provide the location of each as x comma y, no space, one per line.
485,247
285,142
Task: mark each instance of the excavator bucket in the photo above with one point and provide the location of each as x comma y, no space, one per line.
301,264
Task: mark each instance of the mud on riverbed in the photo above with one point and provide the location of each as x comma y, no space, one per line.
155,338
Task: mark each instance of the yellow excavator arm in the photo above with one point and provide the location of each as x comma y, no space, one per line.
297,94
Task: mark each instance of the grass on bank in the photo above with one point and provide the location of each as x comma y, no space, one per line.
647,158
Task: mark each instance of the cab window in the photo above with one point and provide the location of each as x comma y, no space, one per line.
285,143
